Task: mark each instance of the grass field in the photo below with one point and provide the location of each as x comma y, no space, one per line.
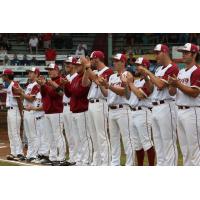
7,164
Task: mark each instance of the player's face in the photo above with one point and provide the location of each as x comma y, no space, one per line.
137,73
117,65
31,75
53,73
79,69
68,67
187,57
159,57
93,63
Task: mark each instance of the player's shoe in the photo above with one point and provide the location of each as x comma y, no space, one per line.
30,160
55,163
45,161
10,157
20,157
66,163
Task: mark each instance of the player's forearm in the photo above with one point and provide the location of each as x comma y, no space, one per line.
127,92
85,80
117,90
104,91
28,97
37,108
149,85
136,91
157,81
193,92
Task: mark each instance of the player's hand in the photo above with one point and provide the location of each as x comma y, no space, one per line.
64,81
173,81
85,62
18,90
103,82
142,70
29,107
53,84
41,80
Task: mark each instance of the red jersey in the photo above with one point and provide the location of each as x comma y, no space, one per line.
78,95
52,101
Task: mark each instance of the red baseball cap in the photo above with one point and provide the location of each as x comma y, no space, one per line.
189,47
71,60
97,54
142,61
78,62
7,72
162,47
120,57
52,66
36,70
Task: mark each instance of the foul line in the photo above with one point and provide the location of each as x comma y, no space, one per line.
16,162
3,147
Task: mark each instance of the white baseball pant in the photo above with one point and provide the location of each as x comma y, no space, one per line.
83,145
141,123
120,122
14,121
67,119
98,118
188,125
164,134
54,128
43,140
30,130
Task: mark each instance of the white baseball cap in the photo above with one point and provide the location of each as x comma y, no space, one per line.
52,66
34,69
161,47
71,59
189,47
142,61
120,57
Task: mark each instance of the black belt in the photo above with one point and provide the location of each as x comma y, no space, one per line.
66,104
9,108
93,100
138,108
37,118
158,102
183,107
116,107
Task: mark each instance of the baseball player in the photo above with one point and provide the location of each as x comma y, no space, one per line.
67,114
119,113
187,89
141,105
14,115
164,134
98,108
29,120
42,147
79,108
53,108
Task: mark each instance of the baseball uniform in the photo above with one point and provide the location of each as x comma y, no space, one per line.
53,107
79,107
98,117
120,122
164,134
67,119
188,119
141,118
13,120
29,121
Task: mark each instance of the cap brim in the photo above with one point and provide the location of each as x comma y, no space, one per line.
182,50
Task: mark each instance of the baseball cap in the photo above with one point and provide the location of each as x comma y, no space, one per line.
71,60
189,47
161,47
120,57
78,62
34,69
52,66
142,61
7,72
97,54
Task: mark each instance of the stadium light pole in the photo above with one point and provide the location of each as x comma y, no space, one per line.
109,49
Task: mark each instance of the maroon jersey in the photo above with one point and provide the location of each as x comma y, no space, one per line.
78,95
52,101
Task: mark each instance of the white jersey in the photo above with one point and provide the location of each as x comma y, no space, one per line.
163,94
29,91
139,83
38,103
183,99
113,98
10,97
95,91
69,78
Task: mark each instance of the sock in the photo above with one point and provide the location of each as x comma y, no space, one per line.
151,156
140,157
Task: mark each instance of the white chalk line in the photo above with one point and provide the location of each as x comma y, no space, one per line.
16,162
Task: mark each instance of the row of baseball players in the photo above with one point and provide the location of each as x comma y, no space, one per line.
92,100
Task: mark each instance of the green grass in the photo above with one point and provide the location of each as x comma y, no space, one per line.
8,164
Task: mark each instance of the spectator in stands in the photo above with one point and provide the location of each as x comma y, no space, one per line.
3,51
15,60
5,43
50,56
33,62
47,38
6,60
33,44
24,61
80,51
